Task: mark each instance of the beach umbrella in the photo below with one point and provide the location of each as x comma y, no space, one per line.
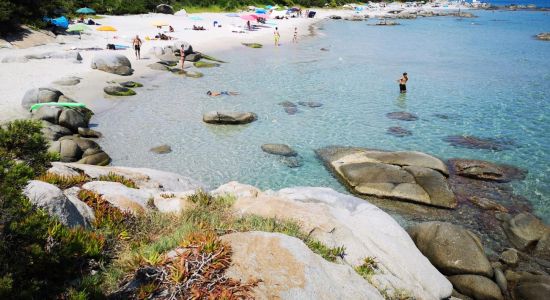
160,23
78,27
106,28
85,11
196,18
249,17
261,16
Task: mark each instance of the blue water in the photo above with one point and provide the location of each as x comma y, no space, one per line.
489,75
538,3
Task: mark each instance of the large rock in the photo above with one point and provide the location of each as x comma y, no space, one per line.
278,149
484,170
89,133
363,229
73,119
532,287
85,211
120,196
100,158
524,230
477,287
452,249
288,269
165,9
146,179
40,95
112,63
233,118
47,113
404,175
69,151
51,198
54,132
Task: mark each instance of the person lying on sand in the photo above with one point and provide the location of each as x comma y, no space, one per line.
198,27
225,93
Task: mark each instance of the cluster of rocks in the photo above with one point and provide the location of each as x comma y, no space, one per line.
69,55
66,129
291,108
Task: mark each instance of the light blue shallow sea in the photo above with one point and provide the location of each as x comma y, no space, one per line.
489,75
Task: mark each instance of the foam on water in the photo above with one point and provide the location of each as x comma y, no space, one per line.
488,75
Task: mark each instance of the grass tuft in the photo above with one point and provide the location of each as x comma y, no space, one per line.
64,181
113,177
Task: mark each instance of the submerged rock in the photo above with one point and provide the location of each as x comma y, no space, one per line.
162,149
403,175
484,170
402,115
115,90
232,118
525,230
279,149
204,64
288,269
311,104
487,204
253,45
291,110
472,142
399,131
287,104
292,161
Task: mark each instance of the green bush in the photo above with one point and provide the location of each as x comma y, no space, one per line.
38,255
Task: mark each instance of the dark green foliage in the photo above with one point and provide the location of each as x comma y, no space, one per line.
38,255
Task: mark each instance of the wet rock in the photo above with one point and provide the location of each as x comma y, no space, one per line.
204,64
524,230
232,118
542,250
67,81
162,149
402,115
112,63
253,45
278,149
510,257
402,175
484,170
472,142
292,161
291,110
72,119
532,287
47,113
477,287
487,204
130,84
452,249
89,133
115,90
190,74
98,159
544,36
158,66
311,104
70,151
441,116
40,95
399,131
52,200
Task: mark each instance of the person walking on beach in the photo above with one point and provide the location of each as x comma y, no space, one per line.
137,46
295,38
403,83
277,36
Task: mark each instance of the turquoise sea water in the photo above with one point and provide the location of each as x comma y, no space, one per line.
489,75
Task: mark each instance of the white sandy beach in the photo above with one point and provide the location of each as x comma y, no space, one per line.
16,78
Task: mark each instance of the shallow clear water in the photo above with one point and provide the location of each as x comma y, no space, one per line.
489,75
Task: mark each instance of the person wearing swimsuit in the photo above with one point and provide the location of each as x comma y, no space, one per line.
295,39
137,46
277,36
403,83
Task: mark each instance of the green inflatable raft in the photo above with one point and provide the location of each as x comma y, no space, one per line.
62,104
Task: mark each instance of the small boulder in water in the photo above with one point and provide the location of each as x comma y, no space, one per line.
484,170
311,104
402,115
253,45
278,149
131,84
204,64
118,91
292,161
231,118
399,131
291,110
473,142
162,149
287,104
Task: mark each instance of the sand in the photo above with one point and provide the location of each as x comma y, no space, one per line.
16,78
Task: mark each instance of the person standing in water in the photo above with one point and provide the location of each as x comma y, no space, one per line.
295,38
137,46
182,55
277,36
403,83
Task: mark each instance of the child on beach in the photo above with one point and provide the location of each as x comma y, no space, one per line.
277,36
137,46
295,38
403,83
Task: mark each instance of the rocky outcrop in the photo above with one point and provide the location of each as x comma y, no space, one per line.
288,269
40,95
484,170
51,198
112,63
279,149
363,229
403,175
452,249
232,118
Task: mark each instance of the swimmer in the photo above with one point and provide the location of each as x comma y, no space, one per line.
224,93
